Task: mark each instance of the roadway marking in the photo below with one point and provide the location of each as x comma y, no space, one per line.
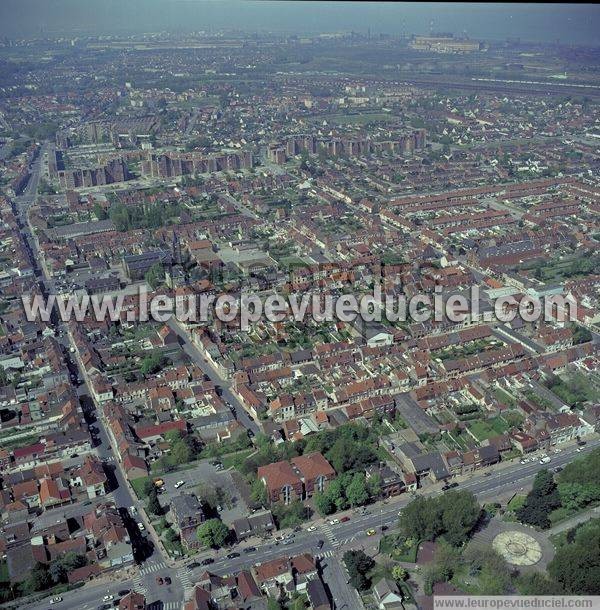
155,567
185,576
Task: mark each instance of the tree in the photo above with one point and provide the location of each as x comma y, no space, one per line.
171,535
39,579
153,503
152,364
181,453
258,493
399,573
540,501
323,504
576,565
356,492
421,519
358,564
155,276
460,513
213,533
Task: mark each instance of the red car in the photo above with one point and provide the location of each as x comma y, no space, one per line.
159,580
344,519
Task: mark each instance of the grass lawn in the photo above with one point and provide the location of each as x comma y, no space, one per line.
231,459
486,429
138,486
504,397
4,577
393,545
515,503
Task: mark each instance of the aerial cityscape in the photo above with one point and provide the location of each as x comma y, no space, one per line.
299,304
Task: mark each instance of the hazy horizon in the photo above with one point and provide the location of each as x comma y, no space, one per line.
568,23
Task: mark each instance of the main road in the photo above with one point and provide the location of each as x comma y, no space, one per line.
155,563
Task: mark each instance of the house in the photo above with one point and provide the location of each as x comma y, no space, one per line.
257,523
187,516
297,479
387,595
133,601
317,596
134,466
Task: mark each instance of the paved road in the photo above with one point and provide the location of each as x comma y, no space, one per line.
199,359
145,580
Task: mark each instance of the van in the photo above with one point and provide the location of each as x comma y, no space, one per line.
545,460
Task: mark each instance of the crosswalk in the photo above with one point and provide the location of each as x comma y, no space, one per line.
138,584
153,567
185,576
326,554
172,605
330,536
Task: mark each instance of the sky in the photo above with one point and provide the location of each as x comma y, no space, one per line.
569,23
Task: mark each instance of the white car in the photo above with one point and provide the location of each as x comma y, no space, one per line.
179,484
334,521
312,528
108,598
56,600
141,526
133,510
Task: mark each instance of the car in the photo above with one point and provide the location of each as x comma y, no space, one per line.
195,564
523,461
544,460
159,580
384,528
288,541
207,561
312,528
179,484
558,469
232,555
133,510
449,486
56,600
104,607
250,434
124,592
167,580
334,521
320,544
250,549
371,532
579,449
108,598
344,519
581,443
297,529
141,526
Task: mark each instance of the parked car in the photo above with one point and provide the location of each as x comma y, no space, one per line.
179,484
312,528
320,544
232,555
449,486
250,549
344,519
545,460
159,580
334,521
56,600
167,580
206,562
141,526
108,598
124,592
371,532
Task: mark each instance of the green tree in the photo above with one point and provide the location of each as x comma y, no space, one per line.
155,276
540,501
399,573
421,519
39,579
213,533
323,503
153,504
181,453
460,513
258,493
356,492
358,564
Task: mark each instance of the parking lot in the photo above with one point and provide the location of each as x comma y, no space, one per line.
207,475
